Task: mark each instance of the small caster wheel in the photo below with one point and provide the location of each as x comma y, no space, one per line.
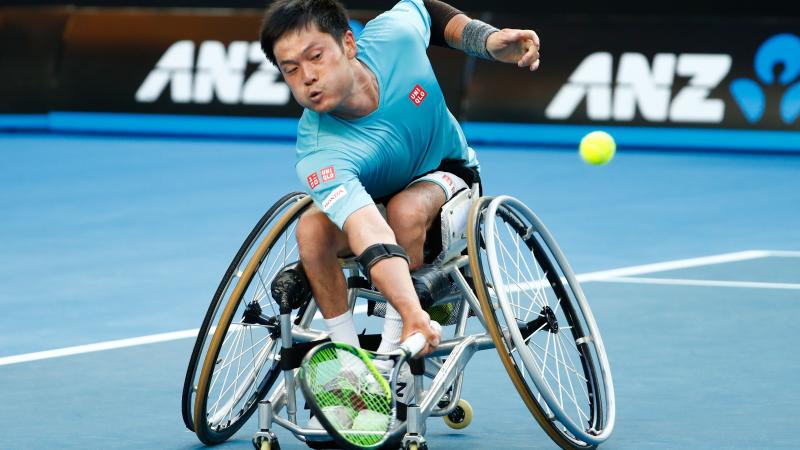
416,446
263,443
460,417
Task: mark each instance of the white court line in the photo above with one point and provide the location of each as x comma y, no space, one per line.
785,254
673,265
120,343
587,277
100,346
689,282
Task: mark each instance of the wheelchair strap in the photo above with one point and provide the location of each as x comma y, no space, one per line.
375,253
292,358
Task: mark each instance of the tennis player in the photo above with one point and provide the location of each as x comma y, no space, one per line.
376,127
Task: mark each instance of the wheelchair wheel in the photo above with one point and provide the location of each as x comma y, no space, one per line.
541,323
234,361
222,293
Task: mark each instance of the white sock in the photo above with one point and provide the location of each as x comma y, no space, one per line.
392,330
343,329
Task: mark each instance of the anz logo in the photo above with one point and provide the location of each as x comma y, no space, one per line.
783,49
644,86
647,86
199,74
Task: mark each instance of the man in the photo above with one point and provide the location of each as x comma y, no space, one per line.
376,124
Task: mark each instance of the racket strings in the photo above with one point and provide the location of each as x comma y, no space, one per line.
354,397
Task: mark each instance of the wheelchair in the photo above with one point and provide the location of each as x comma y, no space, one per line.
505,271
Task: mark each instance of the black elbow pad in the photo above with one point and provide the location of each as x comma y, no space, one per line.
440,13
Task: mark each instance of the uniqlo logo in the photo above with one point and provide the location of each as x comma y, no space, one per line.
313,180
328,174
418,95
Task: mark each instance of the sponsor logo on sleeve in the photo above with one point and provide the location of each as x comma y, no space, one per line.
313,180
450,183
328,174
418,95
334,197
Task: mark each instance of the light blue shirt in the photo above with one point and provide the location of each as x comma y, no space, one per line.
344,164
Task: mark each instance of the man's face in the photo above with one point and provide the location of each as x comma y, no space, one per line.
316,68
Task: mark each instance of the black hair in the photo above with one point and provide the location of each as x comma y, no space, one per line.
283,16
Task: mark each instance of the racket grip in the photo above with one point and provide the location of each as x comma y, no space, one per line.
416,342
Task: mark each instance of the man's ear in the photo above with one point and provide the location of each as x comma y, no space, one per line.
349,41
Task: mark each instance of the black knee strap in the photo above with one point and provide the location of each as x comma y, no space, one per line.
378,252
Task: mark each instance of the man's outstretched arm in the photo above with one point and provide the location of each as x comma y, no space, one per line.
453,28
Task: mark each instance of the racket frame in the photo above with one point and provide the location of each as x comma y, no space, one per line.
398,357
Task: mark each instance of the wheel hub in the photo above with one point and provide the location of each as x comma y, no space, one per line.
457,416
252,313
545,321
550,317
253,316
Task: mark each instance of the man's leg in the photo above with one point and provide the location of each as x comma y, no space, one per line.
320,242
410,214
365,228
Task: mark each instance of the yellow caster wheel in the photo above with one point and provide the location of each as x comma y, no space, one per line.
460,417
263,443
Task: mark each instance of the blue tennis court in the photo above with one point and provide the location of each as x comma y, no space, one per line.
111,248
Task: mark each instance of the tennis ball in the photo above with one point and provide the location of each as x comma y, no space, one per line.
367,420
597,148
339,416
441,313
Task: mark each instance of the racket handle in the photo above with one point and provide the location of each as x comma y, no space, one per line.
416,342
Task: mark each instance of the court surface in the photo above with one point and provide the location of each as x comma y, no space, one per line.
691,263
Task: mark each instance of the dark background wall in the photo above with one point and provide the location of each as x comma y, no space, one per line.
728,70
673,7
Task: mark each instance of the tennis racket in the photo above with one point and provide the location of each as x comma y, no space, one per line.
350,396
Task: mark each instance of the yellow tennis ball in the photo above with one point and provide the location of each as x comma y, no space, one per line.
597,148
441,313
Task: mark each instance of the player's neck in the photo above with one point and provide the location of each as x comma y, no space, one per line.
365,96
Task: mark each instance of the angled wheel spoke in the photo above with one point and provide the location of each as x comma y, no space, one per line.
540,277
215,406
553,375
571,387
574,368
520,286
241,354
560,362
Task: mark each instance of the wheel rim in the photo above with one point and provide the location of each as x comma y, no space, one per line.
558,347
241,363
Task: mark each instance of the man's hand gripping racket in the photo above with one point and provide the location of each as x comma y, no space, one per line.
350,396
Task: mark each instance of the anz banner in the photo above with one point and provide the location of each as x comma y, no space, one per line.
595,70
168,63
742,74
185,63
642,73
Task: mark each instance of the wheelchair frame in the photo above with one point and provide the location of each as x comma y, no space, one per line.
458,351
443,395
